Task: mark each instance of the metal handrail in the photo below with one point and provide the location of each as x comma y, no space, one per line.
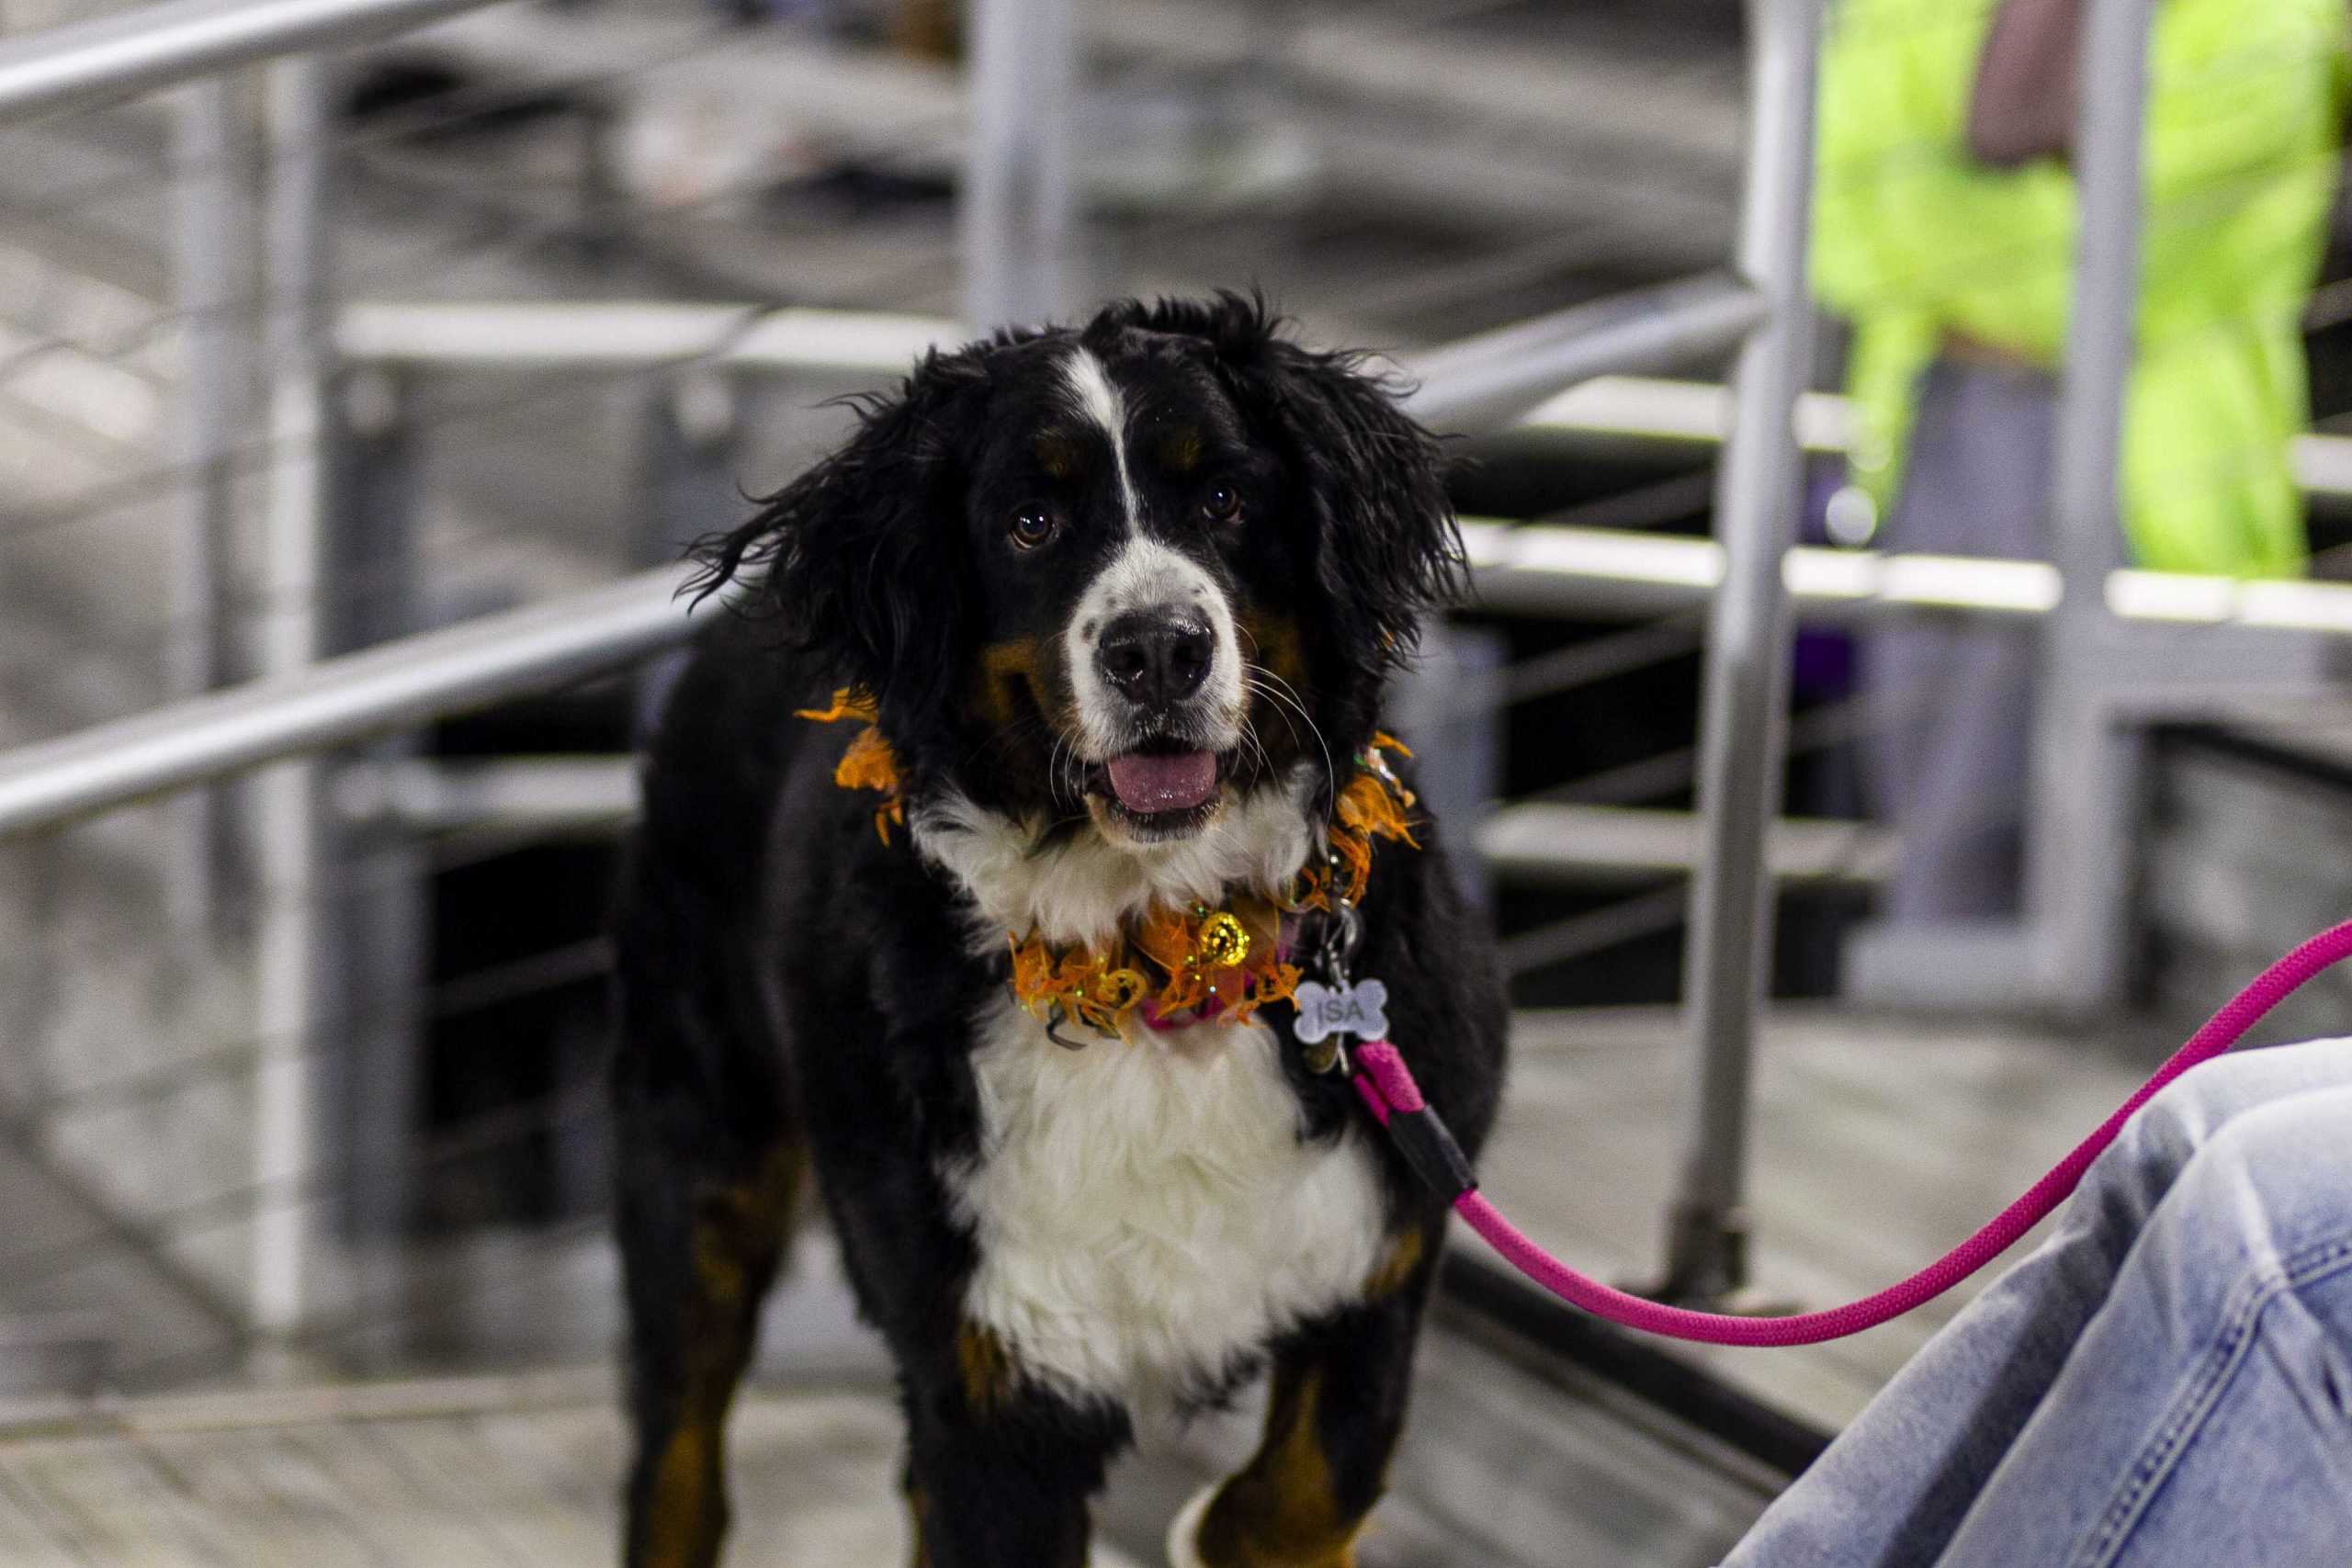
91,63
1494,377
491,660
420,677
635,334
341,700
622,335
1473,383
1696,413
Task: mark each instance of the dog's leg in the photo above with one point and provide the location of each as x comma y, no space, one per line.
998,1473
913,1493
702,1228
1336,1406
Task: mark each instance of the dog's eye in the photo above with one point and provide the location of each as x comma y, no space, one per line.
1222,504
1031,526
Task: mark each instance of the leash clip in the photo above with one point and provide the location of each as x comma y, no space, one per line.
1331,1055
1331,1007
1335,955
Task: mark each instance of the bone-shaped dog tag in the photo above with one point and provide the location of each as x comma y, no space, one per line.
1359,1009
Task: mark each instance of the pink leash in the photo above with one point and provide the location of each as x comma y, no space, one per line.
1388,1089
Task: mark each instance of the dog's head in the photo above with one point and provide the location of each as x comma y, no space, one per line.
1119,583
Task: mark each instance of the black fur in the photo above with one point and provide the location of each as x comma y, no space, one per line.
791,985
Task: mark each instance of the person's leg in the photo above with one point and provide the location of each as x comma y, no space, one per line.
2205,1416
1950,700
1959,820
1894,1486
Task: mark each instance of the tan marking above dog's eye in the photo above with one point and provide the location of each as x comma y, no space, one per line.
1180,449
1016,656
1008,671
1056,454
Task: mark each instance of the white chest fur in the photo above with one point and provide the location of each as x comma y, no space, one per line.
1146,1212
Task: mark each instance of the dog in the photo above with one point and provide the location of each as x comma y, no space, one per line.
985,854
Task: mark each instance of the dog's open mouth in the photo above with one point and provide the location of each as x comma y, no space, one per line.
1161,787
1149,782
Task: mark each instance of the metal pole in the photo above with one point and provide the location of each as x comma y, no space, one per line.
119,57
2078,839
1494,377
289,833
382,920
1017,213
638,334
1744,712
535,648
209,216
693,456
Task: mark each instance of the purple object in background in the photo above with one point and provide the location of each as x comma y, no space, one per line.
1825,659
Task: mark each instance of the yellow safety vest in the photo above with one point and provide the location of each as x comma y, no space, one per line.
1914,238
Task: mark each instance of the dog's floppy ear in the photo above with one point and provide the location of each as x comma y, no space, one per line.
1385,542
854,558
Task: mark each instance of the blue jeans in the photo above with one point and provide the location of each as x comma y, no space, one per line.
2166,1380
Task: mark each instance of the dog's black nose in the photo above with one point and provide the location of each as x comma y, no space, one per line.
1155,658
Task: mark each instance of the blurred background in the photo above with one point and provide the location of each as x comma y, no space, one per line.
431,315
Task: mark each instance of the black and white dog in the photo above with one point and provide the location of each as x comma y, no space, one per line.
1119,602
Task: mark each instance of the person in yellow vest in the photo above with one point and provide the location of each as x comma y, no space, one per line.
1945,225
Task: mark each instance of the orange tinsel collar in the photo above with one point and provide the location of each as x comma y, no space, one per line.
869,763
1229,962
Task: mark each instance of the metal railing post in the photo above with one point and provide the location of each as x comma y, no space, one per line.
1744,706
1018,207
289,830
210,219
381,916
691,461
2078,837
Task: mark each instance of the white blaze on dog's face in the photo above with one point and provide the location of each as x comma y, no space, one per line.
1148,724
1125,596
1132,577
1153,656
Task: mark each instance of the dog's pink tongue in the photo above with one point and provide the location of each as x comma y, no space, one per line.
1163,784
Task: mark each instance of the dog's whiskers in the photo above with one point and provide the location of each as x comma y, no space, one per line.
1266,673
1254,746
1265,681
1273,700
1054,764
